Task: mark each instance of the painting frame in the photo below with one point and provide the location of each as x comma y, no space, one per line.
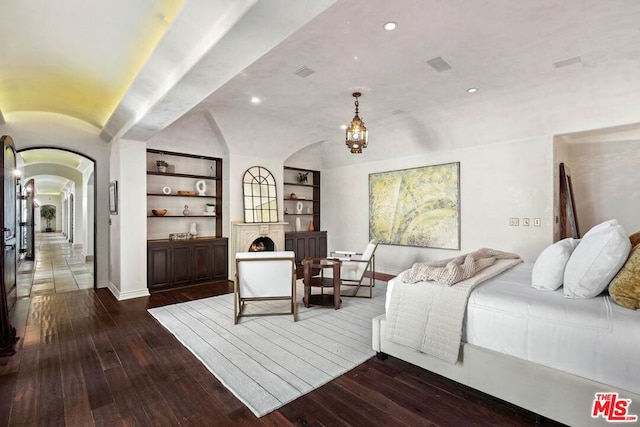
113,197
418,207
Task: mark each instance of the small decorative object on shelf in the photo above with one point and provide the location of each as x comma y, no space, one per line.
298,225
309,211
299,208
303,177
210,207
293,196
178,236
311,227
159,212
186,211
166,190
162,165
286,210
193,231
201,187
211,171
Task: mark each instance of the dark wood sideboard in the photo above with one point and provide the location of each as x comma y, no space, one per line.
306,244
175,263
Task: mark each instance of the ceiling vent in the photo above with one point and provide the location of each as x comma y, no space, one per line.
439,64
304,72
567,62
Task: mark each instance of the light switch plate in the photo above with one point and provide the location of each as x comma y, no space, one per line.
536,222
514,222
525,222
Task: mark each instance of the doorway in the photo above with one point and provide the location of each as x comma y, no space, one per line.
64,222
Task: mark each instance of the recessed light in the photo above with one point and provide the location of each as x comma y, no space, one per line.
343,127
390,26
472,90
255,100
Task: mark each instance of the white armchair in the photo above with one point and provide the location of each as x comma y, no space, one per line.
264,276
357,270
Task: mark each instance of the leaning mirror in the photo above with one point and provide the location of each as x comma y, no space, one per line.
259,191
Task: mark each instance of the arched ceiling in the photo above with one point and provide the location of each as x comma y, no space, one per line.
50,155
131,68
116,64
53,170
76,57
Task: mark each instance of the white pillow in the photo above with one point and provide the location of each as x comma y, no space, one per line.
596,260
548,271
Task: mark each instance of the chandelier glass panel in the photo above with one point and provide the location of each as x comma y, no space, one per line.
357,134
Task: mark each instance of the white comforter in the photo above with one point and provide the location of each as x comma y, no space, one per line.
594,338
428,316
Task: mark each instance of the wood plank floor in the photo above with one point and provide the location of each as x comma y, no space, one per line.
86,359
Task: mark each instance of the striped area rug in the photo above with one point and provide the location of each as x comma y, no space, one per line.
267,362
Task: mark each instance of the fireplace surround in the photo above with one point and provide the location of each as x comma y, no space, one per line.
244,234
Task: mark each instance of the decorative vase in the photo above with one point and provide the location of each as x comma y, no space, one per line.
186,210
210,208
201,187
298,225
311,227
162,169
193,230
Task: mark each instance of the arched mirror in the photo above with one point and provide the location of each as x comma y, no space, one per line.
260,199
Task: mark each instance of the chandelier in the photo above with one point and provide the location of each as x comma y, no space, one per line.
357,134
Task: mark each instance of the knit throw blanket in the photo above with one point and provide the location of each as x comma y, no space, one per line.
453,270
428,316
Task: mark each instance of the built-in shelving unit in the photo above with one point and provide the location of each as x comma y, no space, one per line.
183,173
173,263
307,193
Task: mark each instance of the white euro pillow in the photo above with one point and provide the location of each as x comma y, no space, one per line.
596,260
548,270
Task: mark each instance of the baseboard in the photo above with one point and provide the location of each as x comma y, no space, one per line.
120,296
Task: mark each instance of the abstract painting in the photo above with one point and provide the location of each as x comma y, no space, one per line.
416,207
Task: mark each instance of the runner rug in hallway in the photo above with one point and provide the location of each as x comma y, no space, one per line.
270,361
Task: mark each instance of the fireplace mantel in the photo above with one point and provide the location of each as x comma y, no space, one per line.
244,233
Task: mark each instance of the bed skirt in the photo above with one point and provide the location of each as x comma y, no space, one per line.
545,391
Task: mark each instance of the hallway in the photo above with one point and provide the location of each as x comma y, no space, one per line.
57,268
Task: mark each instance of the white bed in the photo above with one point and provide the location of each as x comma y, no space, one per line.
538,350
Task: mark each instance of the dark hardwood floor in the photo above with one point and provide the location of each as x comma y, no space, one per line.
86,359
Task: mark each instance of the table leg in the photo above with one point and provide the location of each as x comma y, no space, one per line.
336,286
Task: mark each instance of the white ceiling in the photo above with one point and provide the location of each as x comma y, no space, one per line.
215,55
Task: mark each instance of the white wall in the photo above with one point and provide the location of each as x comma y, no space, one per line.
606,181
88,212
499,181
56,224
128,231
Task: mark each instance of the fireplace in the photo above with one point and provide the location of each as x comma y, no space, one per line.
245,234
262,244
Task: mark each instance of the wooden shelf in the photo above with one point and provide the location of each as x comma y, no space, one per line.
182,175
183,195
309,192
